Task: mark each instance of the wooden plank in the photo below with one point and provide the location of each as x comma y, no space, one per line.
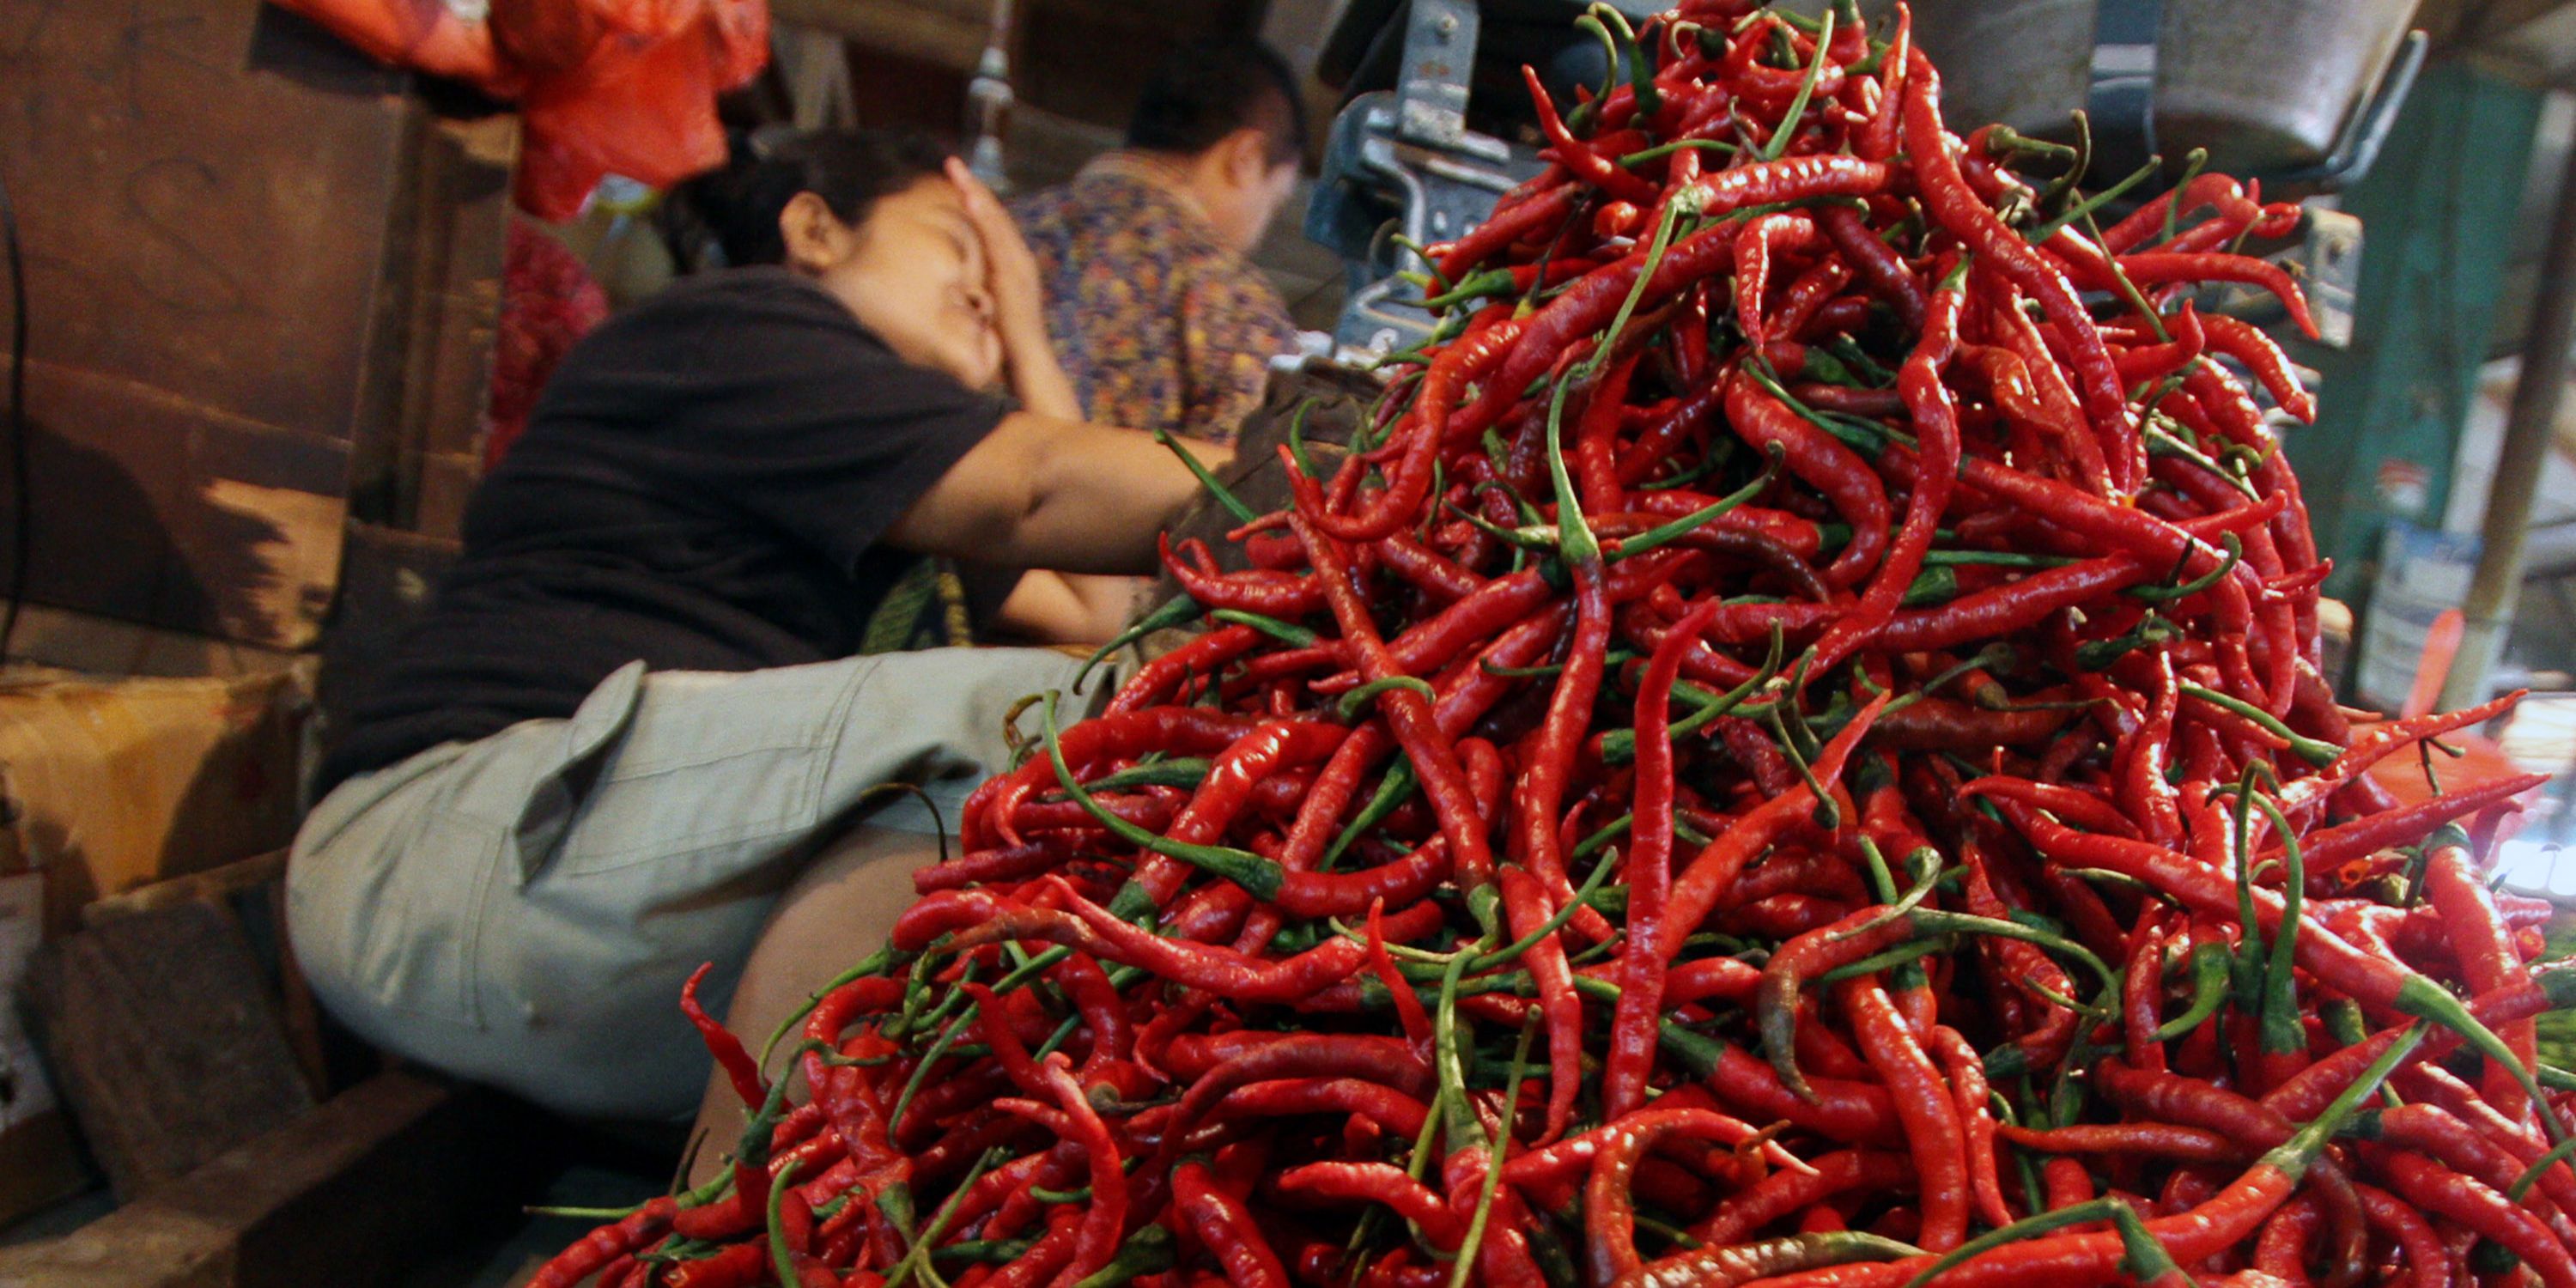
351,1193
214,885
223,525
169,1053
946,33
462,209
77,641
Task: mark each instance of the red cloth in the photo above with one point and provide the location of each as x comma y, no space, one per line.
548,302
607,86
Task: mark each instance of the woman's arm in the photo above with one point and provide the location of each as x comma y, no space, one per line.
1042,492
1068,608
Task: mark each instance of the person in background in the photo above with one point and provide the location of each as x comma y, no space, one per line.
1161,321
635,723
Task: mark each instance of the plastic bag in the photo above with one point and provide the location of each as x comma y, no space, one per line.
422,34
606,86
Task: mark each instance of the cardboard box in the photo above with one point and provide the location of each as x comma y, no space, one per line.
109,785
113,784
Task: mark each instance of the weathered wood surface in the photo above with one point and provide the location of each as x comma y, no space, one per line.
165,1044
351,1193
259,277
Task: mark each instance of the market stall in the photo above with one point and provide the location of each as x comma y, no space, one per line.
1769,706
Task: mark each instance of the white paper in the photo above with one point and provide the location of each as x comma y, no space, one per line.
24,1093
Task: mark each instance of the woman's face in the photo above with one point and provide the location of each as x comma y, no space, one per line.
913,272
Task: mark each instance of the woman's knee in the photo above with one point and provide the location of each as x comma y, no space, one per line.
838,911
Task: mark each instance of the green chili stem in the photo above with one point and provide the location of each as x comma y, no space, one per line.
919,1256
1662,150
1233,504
2531,1176
1666,533
1391,792
1258,876
2093,203
1349,707
1779,140
2314,751
781,1258
1475,1236
1172,612
2209,991
2027,1228
873,963
1286,633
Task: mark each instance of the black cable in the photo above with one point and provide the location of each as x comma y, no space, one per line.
18,506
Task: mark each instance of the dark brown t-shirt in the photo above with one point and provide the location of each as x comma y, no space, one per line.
702,487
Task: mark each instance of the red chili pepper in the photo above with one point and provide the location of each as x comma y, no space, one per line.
1950,202
738,1266
1590,303
2155,268
1923,1103
1967,1075
2439,1191
595,1250
1634,1022
1538,794
2441,1087
1220,1222
2428,1264
1935,415
2156,361
1877,264
739,1068
2483,946
1407,713
1825,464
1525,911
2209,188
2247,344
1379,1183
1154,682
1577,156
1762,237
1126,735
1695,891
1782,1193
1462,363
1529,219
2135,1139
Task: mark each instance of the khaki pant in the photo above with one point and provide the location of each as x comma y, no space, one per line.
522,910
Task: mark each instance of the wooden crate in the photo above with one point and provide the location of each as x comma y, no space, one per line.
256,266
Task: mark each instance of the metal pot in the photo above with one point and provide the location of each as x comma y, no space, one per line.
2025,63
2268,85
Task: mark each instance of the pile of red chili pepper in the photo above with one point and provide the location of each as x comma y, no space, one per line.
1790,750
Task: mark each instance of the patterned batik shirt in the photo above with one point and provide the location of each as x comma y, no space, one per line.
1160,324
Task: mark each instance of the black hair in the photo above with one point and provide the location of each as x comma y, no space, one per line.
738,206
1211,89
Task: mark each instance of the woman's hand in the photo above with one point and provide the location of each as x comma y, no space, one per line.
1010,271
1019,301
